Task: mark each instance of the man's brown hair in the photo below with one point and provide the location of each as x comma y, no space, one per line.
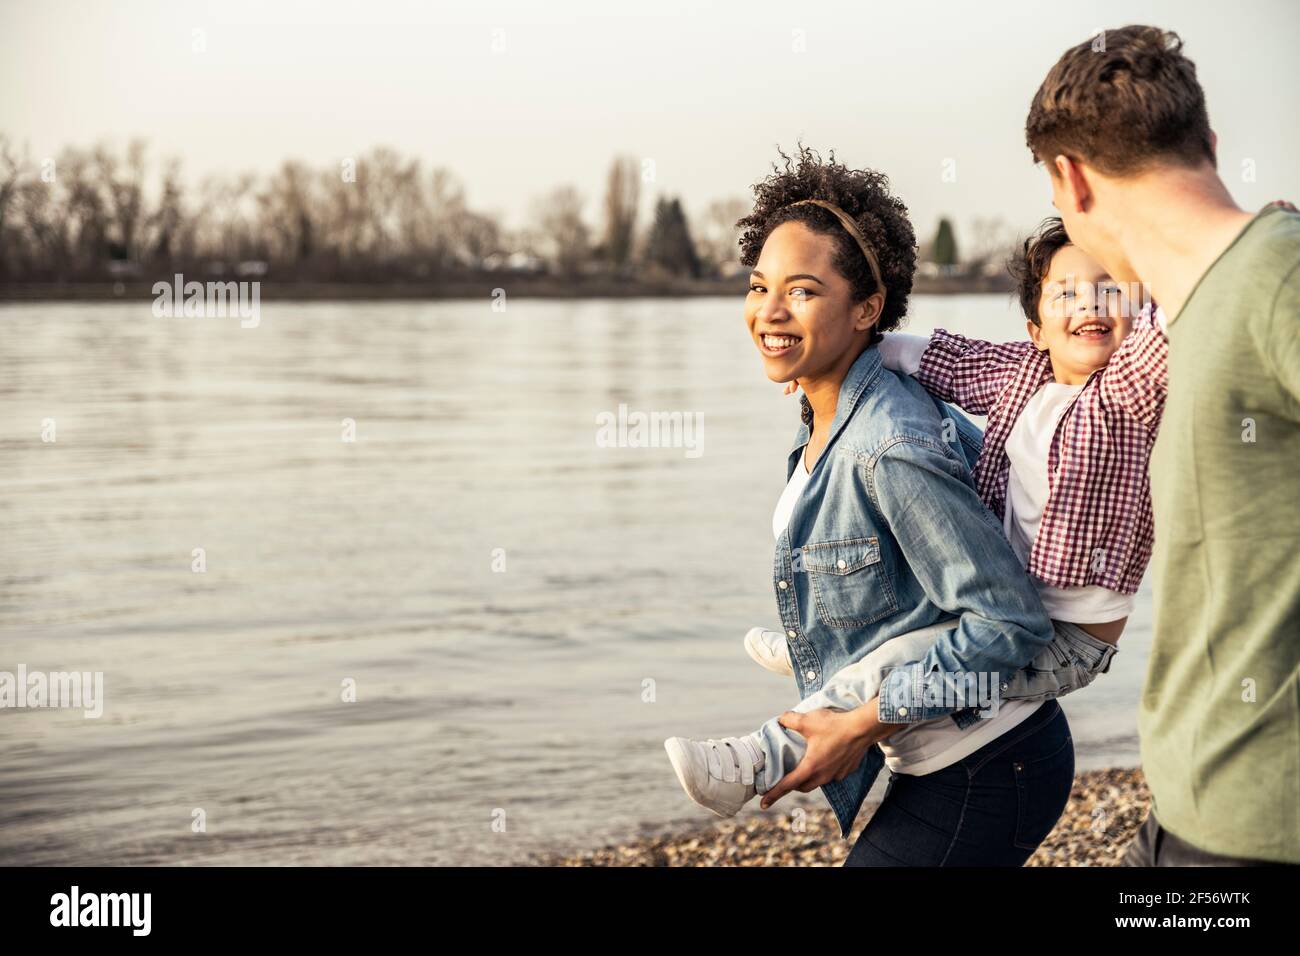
1120,102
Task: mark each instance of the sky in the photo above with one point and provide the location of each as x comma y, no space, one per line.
517,98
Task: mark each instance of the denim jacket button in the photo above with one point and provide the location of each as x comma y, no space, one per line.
790,633
782,585
841,564
811,675
902,712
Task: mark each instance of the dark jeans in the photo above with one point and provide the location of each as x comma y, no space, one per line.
1156,846
991,808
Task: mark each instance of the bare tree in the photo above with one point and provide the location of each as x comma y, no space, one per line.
73,217
171,233
121,185
11,170
992,240
719,239
446,211
286,210
480,236
80,235
558,217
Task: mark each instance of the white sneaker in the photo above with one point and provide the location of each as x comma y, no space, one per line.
716,774
769,650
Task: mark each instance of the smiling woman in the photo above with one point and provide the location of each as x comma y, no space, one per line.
886,563
815,194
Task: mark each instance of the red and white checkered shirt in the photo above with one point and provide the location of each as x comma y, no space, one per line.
1097,525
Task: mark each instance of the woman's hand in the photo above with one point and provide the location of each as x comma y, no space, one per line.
837,741
791,387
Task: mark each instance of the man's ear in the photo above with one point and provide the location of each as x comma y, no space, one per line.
1036,335
1075,187
868,312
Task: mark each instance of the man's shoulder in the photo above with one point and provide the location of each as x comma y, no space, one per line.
1271,251
1249,277
1271,271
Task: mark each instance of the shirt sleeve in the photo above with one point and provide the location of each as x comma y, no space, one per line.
968,372
954,548
901,351
1137,376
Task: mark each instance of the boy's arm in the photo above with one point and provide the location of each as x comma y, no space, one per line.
968,372
966,567
902,351
1137,376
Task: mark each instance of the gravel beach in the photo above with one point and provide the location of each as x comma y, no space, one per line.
1105,810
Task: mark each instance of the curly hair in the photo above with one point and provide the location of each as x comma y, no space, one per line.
864,195
1029,266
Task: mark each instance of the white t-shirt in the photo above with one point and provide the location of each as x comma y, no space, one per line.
1028,446
793,489
930,745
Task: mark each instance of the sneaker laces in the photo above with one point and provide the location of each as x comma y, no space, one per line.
733,758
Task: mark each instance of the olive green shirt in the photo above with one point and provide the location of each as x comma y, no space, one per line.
1220,711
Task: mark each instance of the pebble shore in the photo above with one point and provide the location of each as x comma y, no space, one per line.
1105,810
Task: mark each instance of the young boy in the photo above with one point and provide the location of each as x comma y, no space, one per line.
1072,416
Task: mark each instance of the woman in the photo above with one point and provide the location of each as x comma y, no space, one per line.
880,534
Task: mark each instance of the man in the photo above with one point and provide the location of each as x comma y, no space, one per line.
1120,124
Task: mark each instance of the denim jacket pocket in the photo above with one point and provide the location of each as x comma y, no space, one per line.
850,584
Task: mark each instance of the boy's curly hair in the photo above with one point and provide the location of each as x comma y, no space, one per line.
864,195
1029,266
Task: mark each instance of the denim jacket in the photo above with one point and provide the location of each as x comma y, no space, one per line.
890,536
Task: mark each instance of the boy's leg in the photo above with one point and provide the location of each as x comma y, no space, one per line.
848,688
1071,661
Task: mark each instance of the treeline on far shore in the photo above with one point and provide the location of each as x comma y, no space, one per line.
98,223
469,286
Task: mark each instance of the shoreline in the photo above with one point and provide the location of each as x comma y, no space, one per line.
1103,814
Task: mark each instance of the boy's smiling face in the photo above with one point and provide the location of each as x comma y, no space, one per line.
1081,319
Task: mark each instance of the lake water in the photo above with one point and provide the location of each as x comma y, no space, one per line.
483,696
